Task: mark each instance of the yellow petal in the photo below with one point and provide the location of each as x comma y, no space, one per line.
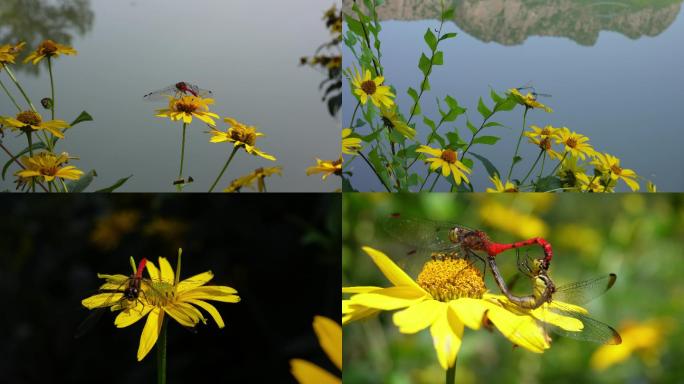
329,335
211,292
194,281
166,272
470,311
393,273
389,299
213,312
152,271
309,373
101,300
419,316
185,314
150,332
447,332
520,330
132,315
360,289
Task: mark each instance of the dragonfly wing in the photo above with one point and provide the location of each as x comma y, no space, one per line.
593,330
421,234
161,94
582,292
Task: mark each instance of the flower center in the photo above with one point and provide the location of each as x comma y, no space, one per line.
369,87
572,143
159,293
545,144
243,135
450,278
48,47
338,169
546,132
29,118
616,169
449,156
186,106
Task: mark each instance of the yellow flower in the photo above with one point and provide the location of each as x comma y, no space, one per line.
326,167
500,187
392,121
162,294
48,166
651,187
447,159
569,171
239,183
29,121
545,144
542,133
188,106
350,145
591,184
575,144
610,165
111,228
240,135
448,295
367,87
644,340
329,335
49,48
528,101
9,52
258,175
512,221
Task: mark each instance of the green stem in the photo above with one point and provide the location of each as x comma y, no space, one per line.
451,375
542,168
351,123
66,189
517,147
559,164
424,181
235,149
180,173
10,96
161,354
434,182
30,143
374,171
14,79
541,152
52,88
13,158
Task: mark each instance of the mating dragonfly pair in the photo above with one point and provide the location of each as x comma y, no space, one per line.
437,238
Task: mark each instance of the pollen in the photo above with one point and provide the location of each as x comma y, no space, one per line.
451,278
159,293
29,118
243,135
616,169
572,143
449,156
185,105
48,47
369,87
545,144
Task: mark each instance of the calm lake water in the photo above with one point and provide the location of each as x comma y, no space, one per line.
614,70
246,52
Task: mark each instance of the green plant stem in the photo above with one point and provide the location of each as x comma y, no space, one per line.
541,152
10,95
66,189
52,88
559,164
424,181
14,79
30,143
517,147
451,375
368,44
541,170
374,171
14,158
472,138
161,353
434,182
351,123
180,173
235,149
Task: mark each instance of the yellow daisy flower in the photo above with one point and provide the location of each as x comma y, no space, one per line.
163,293
447,159
326,167
448,295
569,171
645,340
239,183
651,187
350,145
542,133
30,121
258,175
9,52
240,135
392,121
188,106
367,87
49,48
575,144
590,184
546,144
610,165
528,101
329,335
500,187
48,166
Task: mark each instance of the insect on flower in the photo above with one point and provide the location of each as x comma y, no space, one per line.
177,90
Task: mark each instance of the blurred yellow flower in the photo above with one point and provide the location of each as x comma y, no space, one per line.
240,135
651,187
326,167
188,106
447,159
545,144
49,48
569,171
350,145
645,340
610,166
109,229
591,184
585,239
48,166
167,228
392,120
237,184
528,101
9,52
509,220
257,175
367,87
329,335
500,187
448,295
30,121
575,144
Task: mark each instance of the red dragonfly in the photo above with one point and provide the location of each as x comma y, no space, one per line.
177,90
440,237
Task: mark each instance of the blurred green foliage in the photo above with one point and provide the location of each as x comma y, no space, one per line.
639,237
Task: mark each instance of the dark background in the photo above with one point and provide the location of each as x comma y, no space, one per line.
281,252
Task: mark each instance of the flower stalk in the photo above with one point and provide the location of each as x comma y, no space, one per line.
230,158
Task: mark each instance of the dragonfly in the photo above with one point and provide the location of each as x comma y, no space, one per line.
533,91
177,90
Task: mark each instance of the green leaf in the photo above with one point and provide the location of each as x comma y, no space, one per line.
347,186
517,159
491,169
414,179
434,136
84,116
547,183
429,122
448,14
354,25
450,35
455,141
488,140
413,93
424,64
482,108
472,128
468,162
438,58
81,184
506,105
115,186
34,147
495,97
430,39
493,124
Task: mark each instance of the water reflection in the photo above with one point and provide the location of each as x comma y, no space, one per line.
511,22
33,21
